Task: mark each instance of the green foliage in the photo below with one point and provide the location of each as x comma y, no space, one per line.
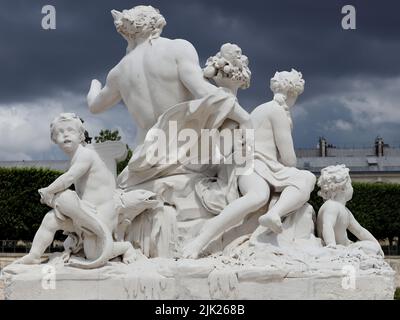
121,165
397,294
20,209
375,205
107,135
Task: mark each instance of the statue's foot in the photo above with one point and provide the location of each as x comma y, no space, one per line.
272,221
28,259
192,250
132,255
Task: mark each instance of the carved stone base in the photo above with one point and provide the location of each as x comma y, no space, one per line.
215,277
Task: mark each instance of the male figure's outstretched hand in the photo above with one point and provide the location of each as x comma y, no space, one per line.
95,88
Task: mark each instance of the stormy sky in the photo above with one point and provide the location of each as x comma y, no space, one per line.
352,90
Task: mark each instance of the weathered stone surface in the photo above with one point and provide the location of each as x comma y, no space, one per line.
394,262
1,289
215,277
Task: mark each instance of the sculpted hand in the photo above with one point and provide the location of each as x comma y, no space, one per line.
95,88
46,197
95,85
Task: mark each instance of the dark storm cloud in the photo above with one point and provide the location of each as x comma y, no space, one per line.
275,35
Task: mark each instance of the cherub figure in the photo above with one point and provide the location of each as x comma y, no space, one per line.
88,214
334,219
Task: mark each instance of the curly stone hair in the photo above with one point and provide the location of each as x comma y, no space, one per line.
333,179
67,117
285,81
139,20
225,63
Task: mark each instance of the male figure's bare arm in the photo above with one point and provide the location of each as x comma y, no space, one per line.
99,99
283,137
189,69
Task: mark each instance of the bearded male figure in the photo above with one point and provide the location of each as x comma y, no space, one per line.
155,74
160,81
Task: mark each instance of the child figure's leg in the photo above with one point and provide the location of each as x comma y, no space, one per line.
43,238
255,191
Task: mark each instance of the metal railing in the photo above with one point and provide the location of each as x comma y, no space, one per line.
19,246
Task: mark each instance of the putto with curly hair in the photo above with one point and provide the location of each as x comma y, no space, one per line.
230,63
333,179
334,219
67,117
140,20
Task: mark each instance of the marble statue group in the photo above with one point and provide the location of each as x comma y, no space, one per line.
160,81
204,202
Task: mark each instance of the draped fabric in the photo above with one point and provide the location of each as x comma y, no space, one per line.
196,115
280,177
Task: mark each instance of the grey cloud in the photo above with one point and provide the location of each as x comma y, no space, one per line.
275,35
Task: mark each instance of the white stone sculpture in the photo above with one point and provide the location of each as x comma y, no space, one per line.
88,214
275,158
274,167
334,219
159,206
229,68
156,73
161,83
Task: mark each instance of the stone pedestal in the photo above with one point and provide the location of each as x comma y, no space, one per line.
215,277
1,289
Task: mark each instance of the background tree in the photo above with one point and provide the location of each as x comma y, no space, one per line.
88,139
121,165
107,135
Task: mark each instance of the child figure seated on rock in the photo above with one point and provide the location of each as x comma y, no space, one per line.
89,211
334,219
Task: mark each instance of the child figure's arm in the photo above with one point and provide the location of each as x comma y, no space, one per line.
283,137
80,166
363,235
326,220
359,231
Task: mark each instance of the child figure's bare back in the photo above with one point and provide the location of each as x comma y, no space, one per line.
336,217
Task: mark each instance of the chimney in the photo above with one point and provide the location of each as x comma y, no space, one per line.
322,147
379,143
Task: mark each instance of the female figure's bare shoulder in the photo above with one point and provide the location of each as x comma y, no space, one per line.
265,109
